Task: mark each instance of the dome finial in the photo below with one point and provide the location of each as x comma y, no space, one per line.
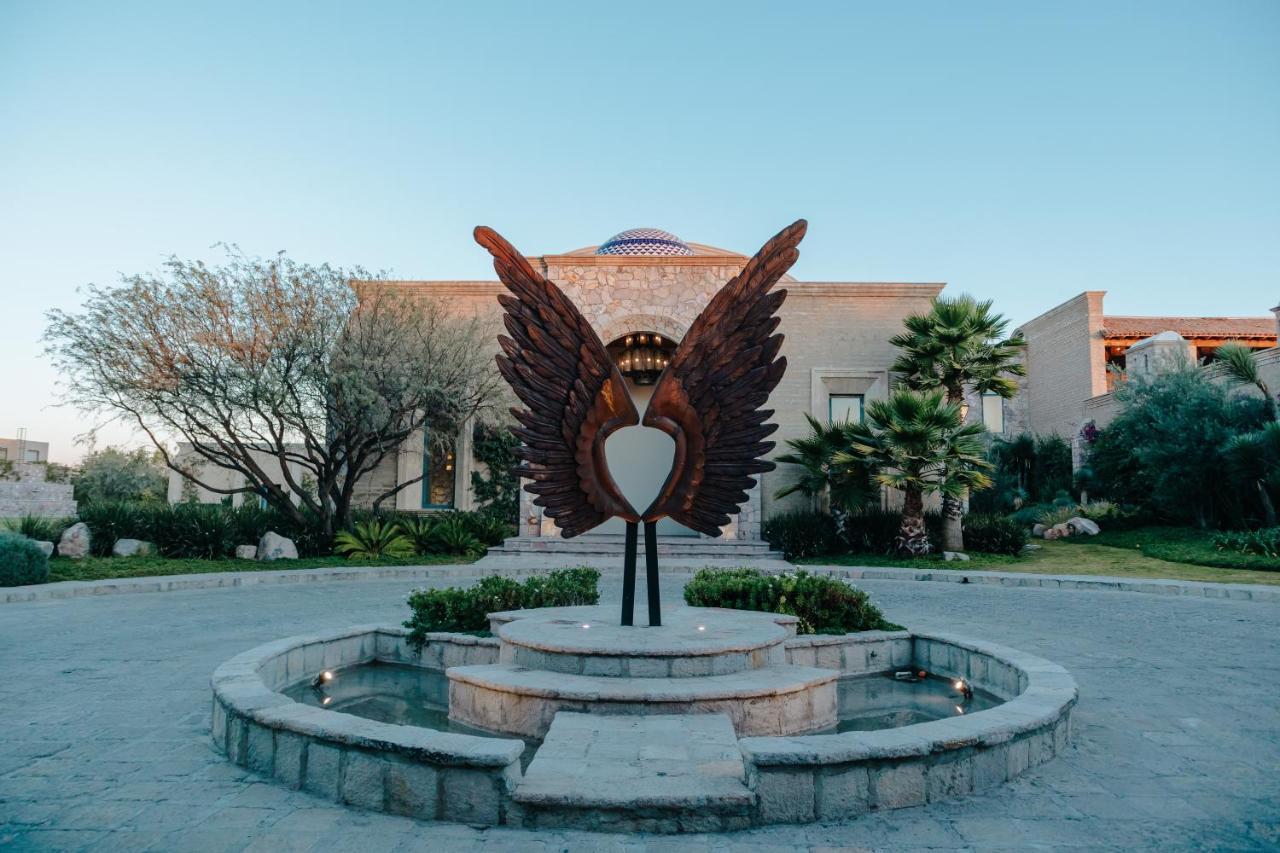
644,241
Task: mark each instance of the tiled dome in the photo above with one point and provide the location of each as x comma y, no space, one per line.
644,241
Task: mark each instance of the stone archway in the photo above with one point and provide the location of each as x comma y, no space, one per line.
668,326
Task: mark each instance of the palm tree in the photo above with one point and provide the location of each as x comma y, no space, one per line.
1237,360
841,489
959,346
918,443
1255,457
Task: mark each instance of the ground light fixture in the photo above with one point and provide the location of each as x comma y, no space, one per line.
322,679
964,687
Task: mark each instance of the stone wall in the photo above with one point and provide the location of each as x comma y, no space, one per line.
1066,364
32,494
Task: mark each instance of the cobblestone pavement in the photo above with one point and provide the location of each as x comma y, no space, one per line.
104,719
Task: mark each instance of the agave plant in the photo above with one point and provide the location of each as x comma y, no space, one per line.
39,527
372,539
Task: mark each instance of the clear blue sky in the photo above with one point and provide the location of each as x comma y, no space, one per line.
1018,151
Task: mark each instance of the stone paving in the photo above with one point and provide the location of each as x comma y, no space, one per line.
104,718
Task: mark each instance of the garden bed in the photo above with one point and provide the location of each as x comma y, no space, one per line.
104,568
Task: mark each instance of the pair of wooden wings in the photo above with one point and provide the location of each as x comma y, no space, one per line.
707,399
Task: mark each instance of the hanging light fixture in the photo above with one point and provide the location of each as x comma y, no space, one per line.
642,356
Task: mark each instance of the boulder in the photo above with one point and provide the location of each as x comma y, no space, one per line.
46,547
246,552
75,541
1052,533
1087,526
1037,530
1064,530
273,546
1031,546
132,548
951,556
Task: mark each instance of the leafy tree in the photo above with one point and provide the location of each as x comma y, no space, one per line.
1166,449
842,488
1254,458
958,347
279,359
917,443
112,474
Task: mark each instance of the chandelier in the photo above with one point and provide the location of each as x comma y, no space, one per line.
642,356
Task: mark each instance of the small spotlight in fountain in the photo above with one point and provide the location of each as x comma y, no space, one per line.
702,627
965,689
323,678
959,709
326,700
586,625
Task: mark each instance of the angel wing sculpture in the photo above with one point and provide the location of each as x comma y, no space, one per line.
707,399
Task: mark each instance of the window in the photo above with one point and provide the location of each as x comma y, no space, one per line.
33,455
844,408
993,412
437,475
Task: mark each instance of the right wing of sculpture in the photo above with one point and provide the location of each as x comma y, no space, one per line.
576,397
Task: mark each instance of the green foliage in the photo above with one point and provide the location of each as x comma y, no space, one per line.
21,561
112,520
486,528
1165,451
959,346
466,609
802,533
1265,542
453,535
823,605
994,534
420,531
847,487
368,540
1026,469
39,527
112,474
497,489
1057,515
192,531
874,531
1179,545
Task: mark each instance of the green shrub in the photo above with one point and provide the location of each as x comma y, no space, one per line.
802,533
421,532
452,535
111,520
466,609
1057,515
874,530
487,529
21,561
994,534
1264,542
823,605
369,540
38,527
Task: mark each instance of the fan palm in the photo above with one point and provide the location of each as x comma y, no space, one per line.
1237,360
373,539
1255,457
918,443
843,488
958,347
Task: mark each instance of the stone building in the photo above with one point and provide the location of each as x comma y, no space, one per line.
641,290
24,485
1076,352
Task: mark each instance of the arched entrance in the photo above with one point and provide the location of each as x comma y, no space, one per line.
640,458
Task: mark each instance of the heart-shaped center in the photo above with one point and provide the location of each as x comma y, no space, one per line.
640,459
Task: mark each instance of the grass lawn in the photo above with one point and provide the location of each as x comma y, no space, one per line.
1087,556
102,568
1181,545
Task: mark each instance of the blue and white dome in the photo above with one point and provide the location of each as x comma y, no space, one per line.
644,241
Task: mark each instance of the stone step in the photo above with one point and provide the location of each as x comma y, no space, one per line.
772,700
667,773
606,544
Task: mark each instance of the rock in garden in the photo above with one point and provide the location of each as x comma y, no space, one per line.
273,546
47,547
246,552
1038,530
1031,546
1064,530
1080,524
1052,533
75,541
132,548
949,556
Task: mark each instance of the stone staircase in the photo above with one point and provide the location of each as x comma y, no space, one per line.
606,549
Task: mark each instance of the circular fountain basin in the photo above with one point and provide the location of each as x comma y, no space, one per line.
905,749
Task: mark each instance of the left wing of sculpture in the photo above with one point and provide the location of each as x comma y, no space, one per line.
709,397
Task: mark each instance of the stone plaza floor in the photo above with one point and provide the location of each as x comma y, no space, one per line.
104,729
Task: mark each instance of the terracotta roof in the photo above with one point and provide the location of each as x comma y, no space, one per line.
1189,327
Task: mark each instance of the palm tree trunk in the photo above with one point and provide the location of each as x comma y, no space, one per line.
913,538
953,507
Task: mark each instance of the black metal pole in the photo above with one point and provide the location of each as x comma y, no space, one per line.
629,576
651,570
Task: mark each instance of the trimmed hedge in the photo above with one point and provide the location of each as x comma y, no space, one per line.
466,609
994,534
824,605
802,533
21,561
